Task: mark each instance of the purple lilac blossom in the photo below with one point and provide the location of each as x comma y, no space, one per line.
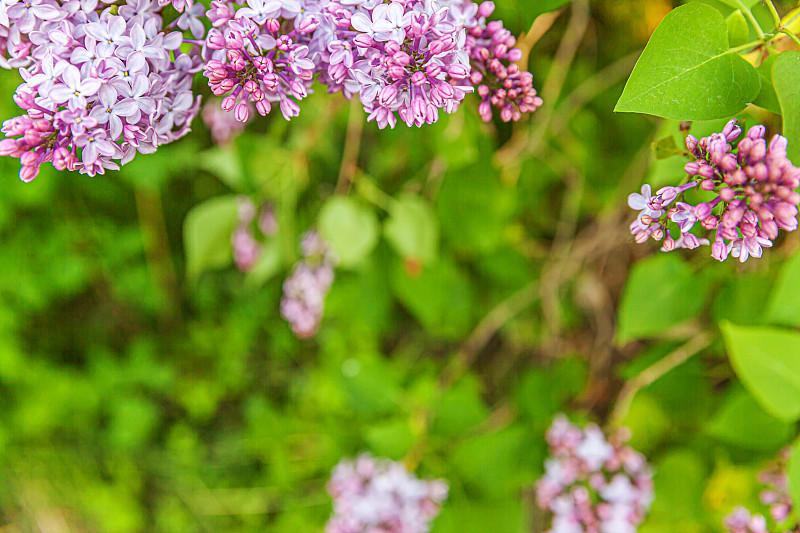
754,185
104,82
593,484
305,289
775,496
101,83
378,495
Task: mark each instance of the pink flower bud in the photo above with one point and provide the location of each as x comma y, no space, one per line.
242,112
227,103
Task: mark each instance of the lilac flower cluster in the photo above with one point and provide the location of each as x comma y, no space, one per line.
776,496
754,187
593,485
101,83
401,58
380,496
246,249
105,81
305,289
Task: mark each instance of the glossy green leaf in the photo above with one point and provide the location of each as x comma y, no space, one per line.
767,98
738,30
742,422
688,71
412,229
767,361
207,234
783,306
350,228
786,78
664,283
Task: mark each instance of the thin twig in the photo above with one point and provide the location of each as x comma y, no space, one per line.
529,139
654,372
352,145
775,16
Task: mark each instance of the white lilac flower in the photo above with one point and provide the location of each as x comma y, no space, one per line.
380,496
592,483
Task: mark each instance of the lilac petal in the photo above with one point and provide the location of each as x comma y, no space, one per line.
637,201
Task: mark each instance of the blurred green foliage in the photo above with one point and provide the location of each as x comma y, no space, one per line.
487,282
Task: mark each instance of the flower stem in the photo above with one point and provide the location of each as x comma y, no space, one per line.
791,35
775,16
750,17
652,373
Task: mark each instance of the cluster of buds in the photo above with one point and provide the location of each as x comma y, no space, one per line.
593,484
775,496
380,496
305,289
754,196
500,85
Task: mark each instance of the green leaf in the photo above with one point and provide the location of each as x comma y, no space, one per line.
207,234
545,6
794,473
783,306
665,283
767,360
738,30
666,147
461,408
767,98
412,229
741,422
687,70
488,463
350,228
390,439
786,78
439,296
474,209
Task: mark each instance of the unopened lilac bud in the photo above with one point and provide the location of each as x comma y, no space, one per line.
691,143
263,64
727,194
227,103
514,55
418,78
756,132
486,9
308,24
263,107
216,41
363,40
234,40
391,48
658,234
719,251
273,25
241,112
779,143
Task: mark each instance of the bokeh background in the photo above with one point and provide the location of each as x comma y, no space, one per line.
137,398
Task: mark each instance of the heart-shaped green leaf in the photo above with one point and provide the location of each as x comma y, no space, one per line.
688,71
767,360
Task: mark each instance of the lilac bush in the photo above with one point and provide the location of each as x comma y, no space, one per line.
754,196
593,484
378,495
103,82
